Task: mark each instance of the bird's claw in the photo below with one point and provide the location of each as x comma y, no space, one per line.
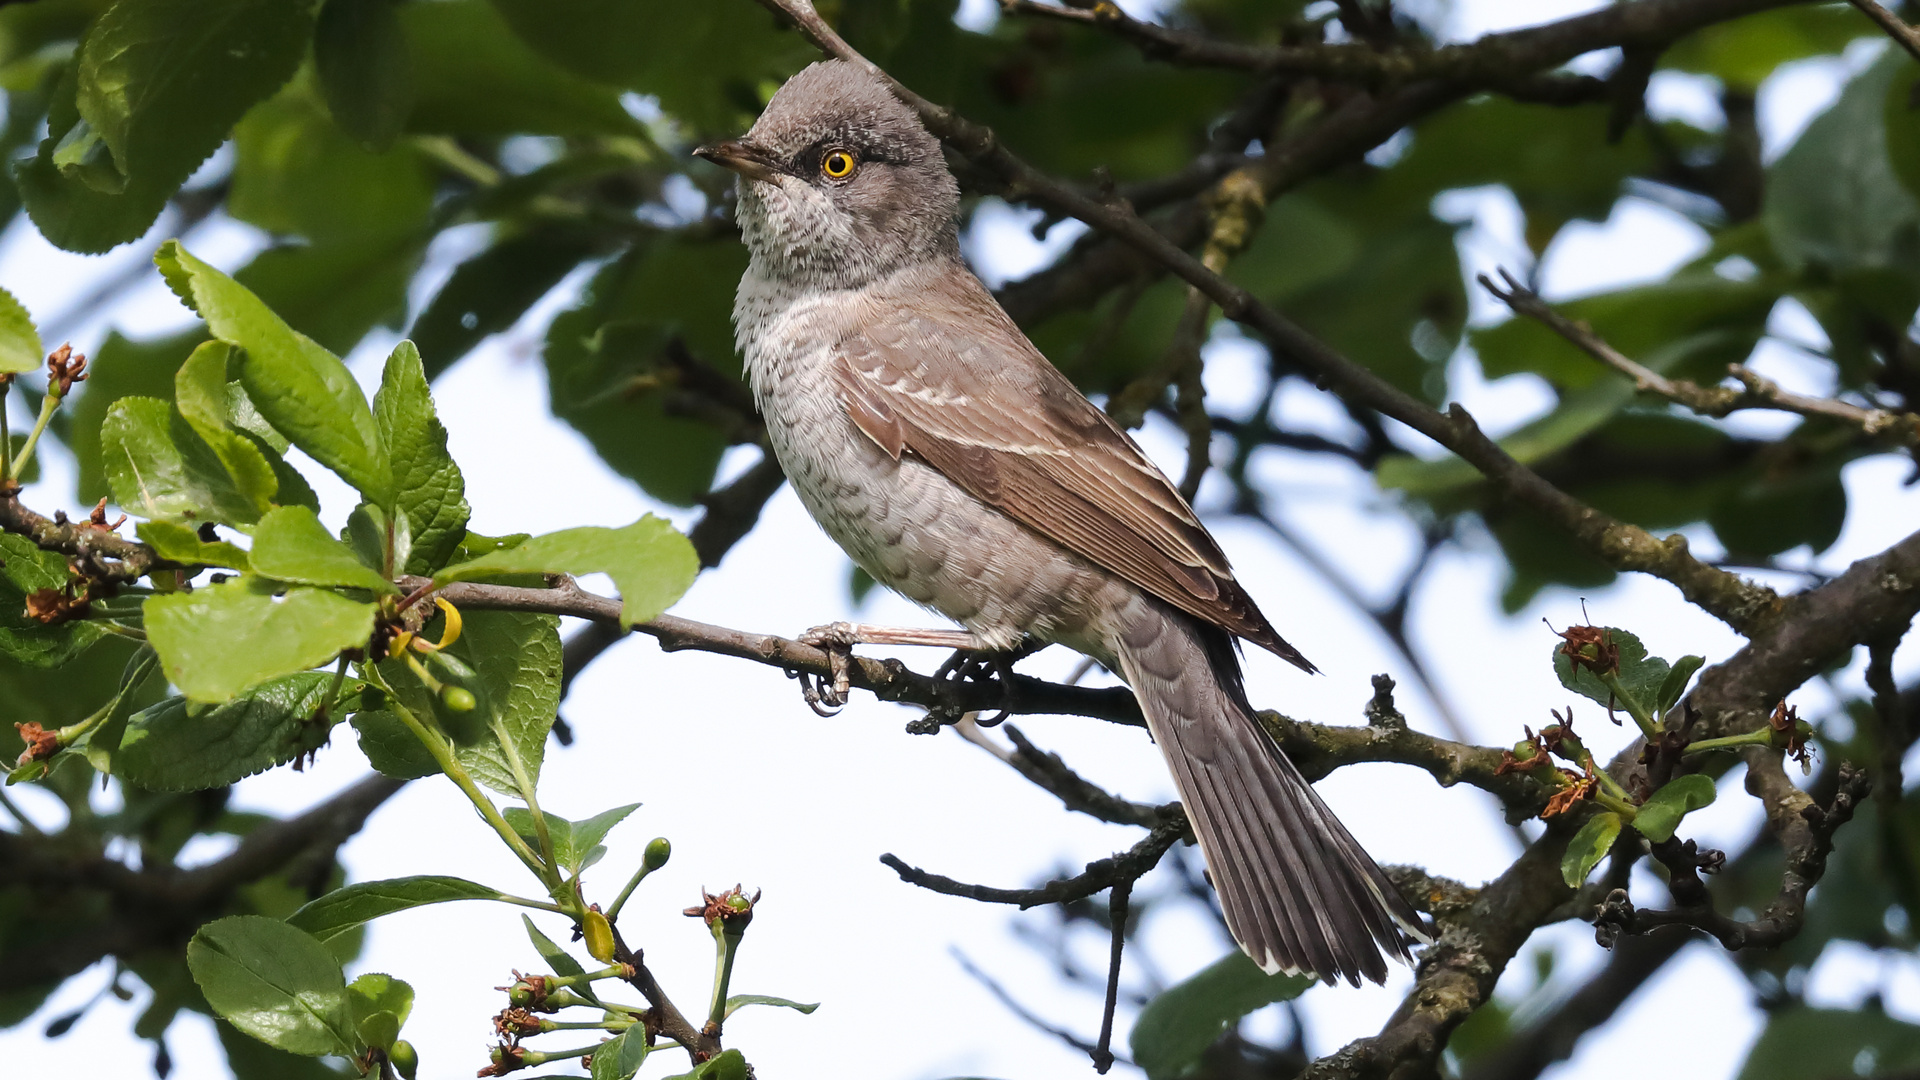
827,696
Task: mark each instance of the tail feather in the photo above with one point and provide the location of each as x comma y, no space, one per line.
1298,892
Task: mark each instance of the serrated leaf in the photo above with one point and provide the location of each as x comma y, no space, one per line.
303,390
1589,846
650,562
183,545
740,1001
161,469
1640,675
347,908
290,544
517,660
428,486
573,841
1678,797
391,747
154,90
728,1065
219,641
364,67
1674,686
619,1057
380,1004
179,746
200,393
28,570
19,342
1185,1019
274,982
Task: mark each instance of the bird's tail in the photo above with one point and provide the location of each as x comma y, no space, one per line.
1298,892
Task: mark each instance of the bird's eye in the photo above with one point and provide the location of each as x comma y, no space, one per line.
837,165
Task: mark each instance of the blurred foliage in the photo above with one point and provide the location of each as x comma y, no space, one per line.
542,146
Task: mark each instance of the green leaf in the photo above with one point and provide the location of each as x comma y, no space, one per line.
1833,199
573,841
201,393
303,390
335,291
274,982
1640,675
557,958
728,1065
296,172
101,744
24,570
1677,798
155,88
1674,687
472,76
179,746
650,562
491,291
218,641
161,469
1742,52
391,747
1185,1019
740,1001
1900,113
517,659
290,544
1589,846
121,367
183,545
380,1005
1800,1042
619,1057
362,60
19,342
428,485
696,57
344,909
602,355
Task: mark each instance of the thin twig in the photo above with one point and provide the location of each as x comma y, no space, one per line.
1896,28
1129,865
1117,917
1755,392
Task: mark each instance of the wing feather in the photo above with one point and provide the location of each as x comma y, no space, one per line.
952,380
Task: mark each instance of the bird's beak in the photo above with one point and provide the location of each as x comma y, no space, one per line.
742,157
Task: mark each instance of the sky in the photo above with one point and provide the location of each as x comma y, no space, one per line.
751,787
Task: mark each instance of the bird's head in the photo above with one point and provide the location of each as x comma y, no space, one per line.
839,181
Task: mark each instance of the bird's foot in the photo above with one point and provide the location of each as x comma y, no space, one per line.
828,695
985,665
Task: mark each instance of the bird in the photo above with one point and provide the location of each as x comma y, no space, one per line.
941,450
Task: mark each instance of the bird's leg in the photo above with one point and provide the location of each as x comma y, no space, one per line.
837,641
972,664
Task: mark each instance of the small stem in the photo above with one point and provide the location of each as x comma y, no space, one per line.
449,153
597,1025
333,689
725,945
138,669
1616,803
6,433
1634,709
616,971
632,883
540,905
47,405
442,754
1763,737
543,1057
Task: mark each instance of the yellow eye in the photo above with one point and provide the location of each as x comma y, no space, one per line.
837,165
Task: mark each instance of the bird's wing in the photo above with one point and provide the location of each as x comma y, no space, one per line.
948,377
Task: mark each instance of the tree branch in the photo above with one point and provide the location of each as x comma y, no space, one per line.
1128,866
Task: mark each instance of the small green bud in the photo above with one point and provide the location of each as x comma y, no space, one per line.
406,1061
658,852
1524,750
458,698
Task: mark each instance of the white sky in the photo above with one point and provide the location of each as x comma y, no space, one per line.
752,787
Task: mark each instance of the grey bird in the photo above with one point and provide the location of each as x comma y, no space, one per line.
940,449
